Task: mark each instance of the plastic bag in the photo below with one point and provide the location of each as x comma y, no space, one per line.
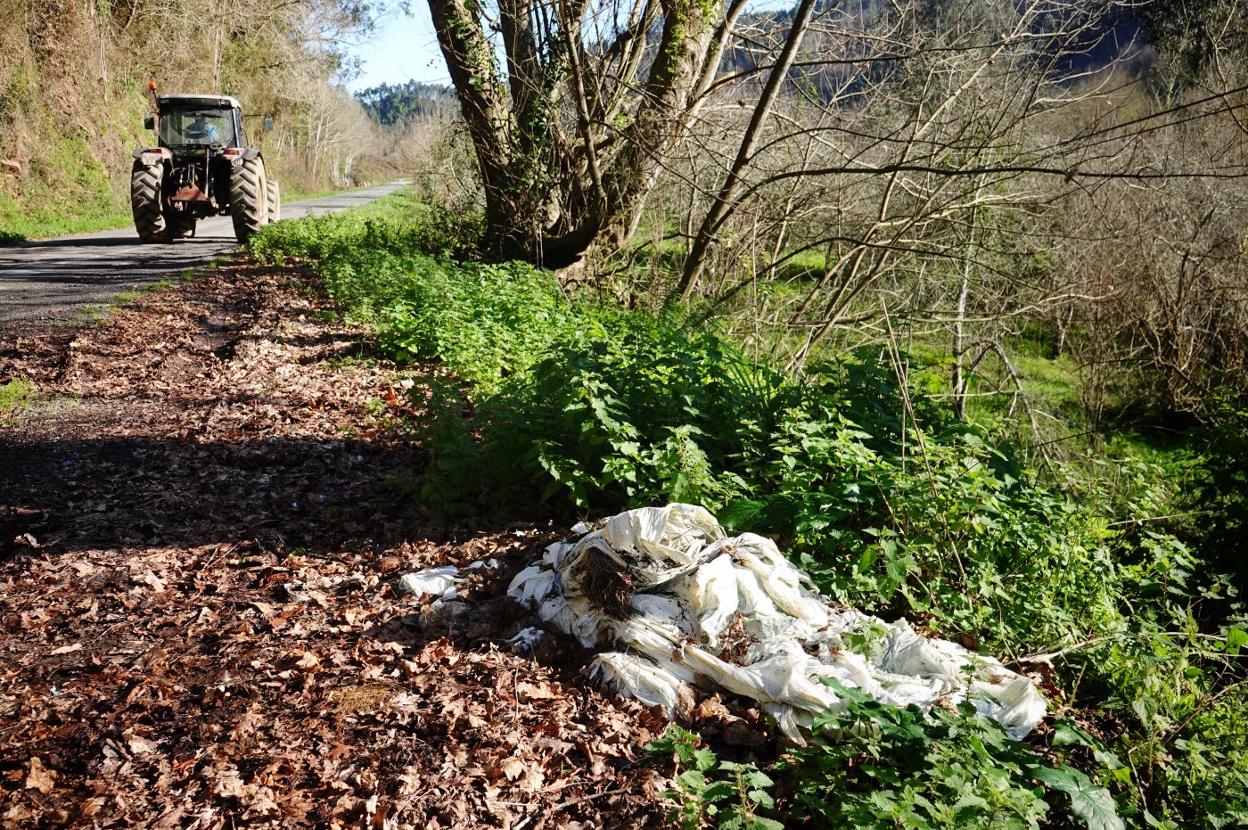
439,582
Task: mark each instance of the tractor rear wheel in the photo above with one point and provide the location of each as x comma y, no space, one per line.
145,202
248,198
274,195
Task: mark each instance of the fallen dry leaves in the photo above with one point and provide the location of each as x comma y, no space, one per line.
201,527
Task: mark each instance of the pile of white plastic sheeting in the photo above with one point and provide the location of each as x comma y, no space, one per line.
672,604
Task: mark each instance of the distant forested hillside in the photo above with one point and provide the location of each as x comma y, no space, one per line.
397,104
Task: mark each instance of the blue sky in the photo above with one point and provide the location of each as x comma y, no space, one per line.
403,47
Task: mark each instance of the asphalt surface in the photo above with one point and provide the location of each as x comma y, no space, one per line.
57,278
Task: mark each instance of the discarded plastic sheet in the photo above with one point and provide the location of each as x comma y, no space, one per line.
437,582
526,638
672,603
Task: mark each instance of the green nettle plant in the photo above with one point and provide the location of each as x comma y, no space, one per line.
571,405
884,767
895,767
706,790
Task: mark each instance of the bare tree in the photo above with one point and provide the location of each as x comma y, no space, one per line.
571,137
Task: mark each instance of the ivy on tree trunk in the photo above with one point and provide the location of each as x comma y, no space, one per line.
570,138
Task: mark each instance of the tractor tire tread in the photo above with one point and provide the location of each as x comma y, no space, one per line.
248,202
149,218
273,197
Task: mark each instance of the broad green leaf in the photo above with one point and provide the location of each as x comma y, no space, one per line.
1068,733
1088,801
691,780
755,778
718,792
703,759
759,823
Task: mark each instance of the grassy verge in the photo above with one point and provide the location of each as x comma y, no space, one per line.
21,223
891,505
46,225
298,195
16,228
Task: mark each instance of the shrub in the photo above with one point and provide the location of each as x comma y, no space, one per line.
1220,500
886,768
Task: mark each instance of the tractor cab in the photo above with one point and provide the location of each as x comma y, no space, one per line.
194,122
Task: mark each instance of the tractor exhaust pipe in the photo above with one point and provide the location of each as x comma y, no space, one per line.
149,122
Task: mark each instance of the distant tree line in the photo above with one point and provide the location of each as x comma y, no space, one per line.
397,104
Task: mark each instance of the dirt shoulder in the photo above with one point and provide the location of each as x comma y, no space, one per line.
202,520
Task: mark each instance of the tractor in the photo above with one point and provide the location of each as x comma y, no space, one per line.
201,166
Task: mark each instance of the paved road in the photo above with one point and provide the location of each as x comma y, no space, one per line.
56,278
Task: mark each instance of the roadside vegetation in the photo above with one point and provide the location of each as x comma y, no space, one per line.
949,298
559,400
23,228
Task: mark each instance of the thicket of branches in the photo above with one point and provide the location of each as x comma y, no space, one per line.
841,171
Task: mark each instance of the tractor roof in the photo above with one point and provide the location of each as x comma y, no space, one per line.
199,101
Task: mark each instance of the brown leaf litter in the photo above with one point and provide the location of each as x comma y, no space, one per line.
202,521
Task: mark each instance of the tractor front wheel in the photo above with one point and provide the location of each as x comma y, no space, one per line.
248,198
145,202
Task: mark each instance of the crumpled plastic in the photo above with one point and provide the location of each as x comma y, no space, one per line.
734,614
442,581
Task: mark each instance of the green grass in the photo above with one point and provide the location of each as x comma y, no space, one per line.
802,267
89,316
66,190
48,223
299,195
133,295
16,395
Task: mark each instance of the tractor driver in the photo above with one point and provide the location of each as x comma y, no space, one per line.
201,129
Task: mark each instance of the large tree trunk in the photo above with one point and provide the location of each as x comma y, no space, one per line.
567,198
471,64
